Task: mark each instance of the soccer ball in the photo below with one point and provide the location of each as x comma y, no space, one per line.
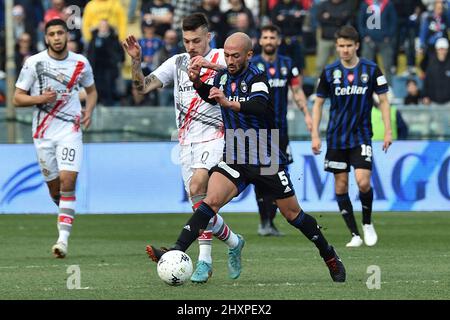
175,267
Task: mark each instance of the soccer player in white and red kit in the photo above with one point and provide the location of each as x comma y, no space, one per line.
200,129
51,81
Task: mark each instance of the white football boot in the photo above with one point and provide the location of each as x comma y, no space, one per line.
370,236
355,242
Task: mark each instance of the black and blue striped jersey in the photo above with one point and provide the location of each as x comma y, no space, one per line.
350,92
248,135
281,73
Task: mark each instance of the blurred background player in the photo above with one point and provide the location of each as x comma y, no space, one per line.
51,81
200,129
436,86
281,74
350,83
242,91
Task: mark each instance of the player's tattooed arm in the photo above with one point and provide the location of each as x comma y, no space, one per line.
300,98
143,84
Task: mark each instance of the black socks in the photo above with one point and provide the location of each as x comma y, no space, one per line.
308,226
194,227
346,209
366,202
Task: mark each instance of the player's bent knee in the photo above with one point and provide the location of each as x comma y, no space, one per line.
289,208
363,185
290,215
196,189
215,203
341,187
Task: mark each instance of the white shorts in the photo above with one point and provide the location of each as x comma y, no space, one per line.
203,155
55,155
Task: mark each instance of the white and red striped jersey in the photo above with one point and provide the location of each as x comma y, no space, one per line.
40,72
197,120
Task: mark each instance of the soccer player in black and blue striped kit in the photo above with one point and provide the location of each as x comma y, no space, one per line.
282,74
350,83
242,91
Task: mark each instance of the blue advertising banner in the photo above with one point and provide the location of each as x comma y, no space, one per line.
146,178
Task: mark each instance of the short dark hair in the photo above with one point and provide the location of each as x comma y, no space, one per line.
411,80
56,22
271,28
194,21
347,32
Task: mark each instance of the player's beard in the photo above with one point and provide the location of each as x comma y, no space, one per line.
58,51
238,69
270,50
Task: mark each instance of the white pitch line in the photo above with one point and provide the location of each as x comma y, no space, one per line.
60,266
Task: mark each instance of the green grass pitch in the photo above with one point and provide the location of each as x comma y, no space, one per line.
413,254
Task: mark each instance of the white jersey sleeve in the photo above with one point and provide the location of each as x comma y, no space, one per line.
27,76
87,76
165,72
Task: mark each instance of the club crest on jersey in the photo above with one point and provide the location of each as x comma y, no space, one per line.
337,74
364,78
261,66
283,71
233,86
223,79
272,71
244,87
60,77
350,77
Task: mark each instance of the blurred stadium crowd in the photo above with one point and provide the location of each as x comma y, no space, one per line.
409,38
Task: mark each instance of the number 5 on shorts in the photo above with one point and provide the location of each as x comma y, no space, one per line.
284,180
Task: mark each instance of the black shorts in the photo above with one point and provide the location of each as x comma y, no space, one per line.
338,161
277,186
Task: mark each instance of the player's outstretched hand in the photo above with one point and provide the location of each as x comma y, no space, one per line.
216,93
86,118
387,141
132,47
316,145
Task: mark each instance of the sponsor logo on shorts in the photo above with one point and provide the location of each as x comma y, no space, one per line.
205,156
335,165
45,172
235,174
